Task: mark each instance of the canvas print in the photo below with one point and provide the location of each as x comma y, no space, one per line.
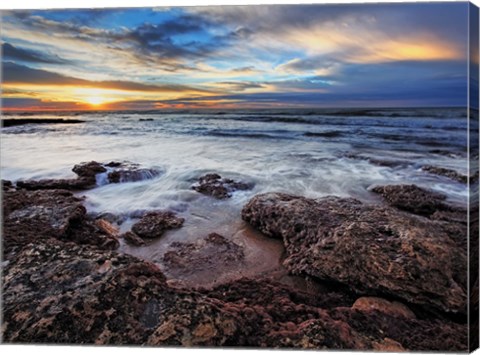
273,176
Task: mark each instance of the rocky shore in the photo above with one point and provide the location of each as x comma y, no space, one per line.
391,276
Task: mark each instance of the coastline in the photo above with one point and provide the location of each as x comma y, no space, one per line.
356,313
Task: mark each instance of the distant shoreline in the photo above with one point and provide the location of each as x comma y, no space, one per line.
11,122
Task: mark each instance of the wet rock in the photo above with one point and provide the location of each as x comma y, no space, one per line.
11,122
211,254
32,215
116,172
412,198
36,215
103,297
379,162
154,224
7,185
132,239
89,169
220,188
451,174
106,227
132,175
393,308
371,249
83,183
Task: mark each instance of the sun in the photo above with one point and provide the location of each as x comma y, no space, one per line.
95,100
93,96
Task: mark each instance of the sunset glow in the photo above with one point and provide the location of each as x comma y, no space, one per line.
234,57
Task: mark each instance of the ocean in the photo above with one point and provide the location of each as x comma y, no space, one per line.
312,153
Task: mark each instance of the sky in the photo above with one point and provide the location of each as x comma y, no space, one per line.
267,56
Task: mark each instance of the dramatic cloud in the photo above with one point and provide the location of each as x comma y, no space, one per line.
10,52
231,56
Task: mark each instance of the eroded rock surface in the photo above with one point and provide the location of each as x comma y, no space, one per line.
220,188
60,285
115,172
154,224
412,198
31,216
211,254
372,249
450,173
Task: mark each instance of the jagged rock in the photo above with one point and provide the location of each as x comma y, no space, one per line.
82,183
89,169
7,185
393,308
372,249
107,228
117,172
412,198
451,174
132,175
31,216
132,239
103,297
213,253
220,188
154,224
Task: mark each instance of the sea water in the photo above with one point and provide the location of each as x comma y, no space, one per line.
311,153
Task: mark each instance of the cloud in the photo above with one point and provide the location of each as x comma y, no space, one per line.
13,73
238,85
11,52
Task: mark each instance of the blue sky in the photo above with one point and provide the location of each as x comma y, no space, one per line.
350,55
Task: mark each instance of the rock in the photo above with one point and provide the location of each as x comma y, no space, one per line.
106,227
31,216
389,345
379,162
371,249
89,169
83,183
7,185
220,188
451,174
103,297
60,284
211,254
154,224
395,309
132,175
11,122
117,172
132,239
412,198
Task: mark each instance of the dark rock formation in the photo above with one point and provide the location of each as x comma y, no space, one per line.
65,293
379,304
154,224
132,239
31,216
220,188
59,288
118,172
213,254
412,198
11,122
379,162
82,183
89,170
7,185
372,249
451,174
132,175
